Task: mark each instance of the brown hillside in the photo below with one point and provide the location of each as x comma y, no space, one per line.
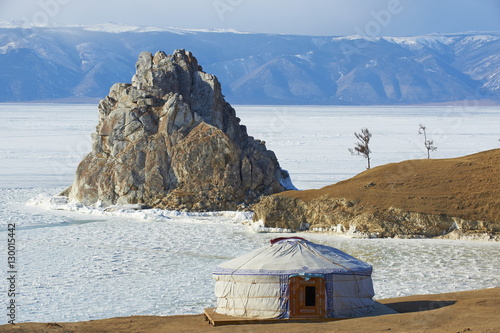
466,187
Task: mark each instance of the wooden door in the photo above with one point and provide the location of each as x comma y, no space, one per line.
307,297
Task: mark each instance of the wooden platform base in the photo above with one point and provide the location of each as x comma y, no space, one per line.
217,319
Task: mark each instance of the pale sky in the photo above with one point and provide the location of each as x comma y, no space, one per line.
306,17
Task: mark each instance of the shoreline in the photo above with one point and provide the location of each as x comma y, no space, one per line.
474,310
454,235
58,203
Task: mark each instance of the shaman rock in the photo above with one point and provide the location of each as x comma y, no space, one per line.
170,140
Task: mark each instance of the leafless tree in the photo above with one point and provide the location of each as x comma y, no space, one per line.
362,147
429,144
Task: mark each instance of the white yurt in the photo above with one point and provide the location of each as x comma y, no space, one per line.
294,278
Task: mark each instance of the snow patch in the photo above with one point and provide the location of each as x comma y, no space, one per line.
122,28
135,211
260,227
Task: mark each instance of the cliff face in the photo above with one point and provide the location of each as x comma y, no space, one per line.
342,216
412,198
170,140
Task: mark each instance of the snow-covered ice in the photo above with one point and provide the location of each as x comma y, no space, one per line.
82,263
311,142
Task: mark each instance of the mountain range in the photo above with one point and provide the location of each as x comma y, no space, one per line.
79,63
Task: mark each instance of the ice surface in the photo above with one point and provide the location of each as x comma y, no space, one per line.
82,263
41,144
311,142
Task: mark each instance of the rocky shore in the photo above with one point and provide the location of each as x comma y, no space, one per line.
454,198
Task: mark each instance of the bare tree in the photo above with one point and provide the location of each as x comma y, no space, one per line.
362,147
429,144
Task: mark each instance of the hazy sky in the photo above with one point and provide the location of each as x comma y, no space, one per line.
310,17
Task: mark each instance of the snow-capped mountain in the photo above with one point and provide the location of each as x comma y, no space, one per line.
40,63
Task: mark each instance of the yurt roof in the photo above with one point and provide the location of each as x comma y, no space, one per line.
294,255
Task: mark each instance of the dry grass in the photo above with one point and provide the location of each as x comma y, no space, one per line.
467,187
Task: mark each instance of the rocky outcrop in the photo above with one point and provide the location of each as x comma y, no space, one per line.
170,140
346,217
415,198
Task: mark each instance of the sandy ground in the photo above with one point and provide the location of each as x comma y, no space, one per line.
468,311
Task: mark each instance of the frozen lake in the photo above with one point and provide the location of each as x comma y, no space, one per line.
88,265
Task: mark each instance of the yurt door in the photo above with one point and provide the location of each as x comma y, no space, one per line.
307,297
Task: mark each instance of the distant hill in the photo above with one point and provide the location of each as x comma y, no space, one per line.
77,63
415,197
